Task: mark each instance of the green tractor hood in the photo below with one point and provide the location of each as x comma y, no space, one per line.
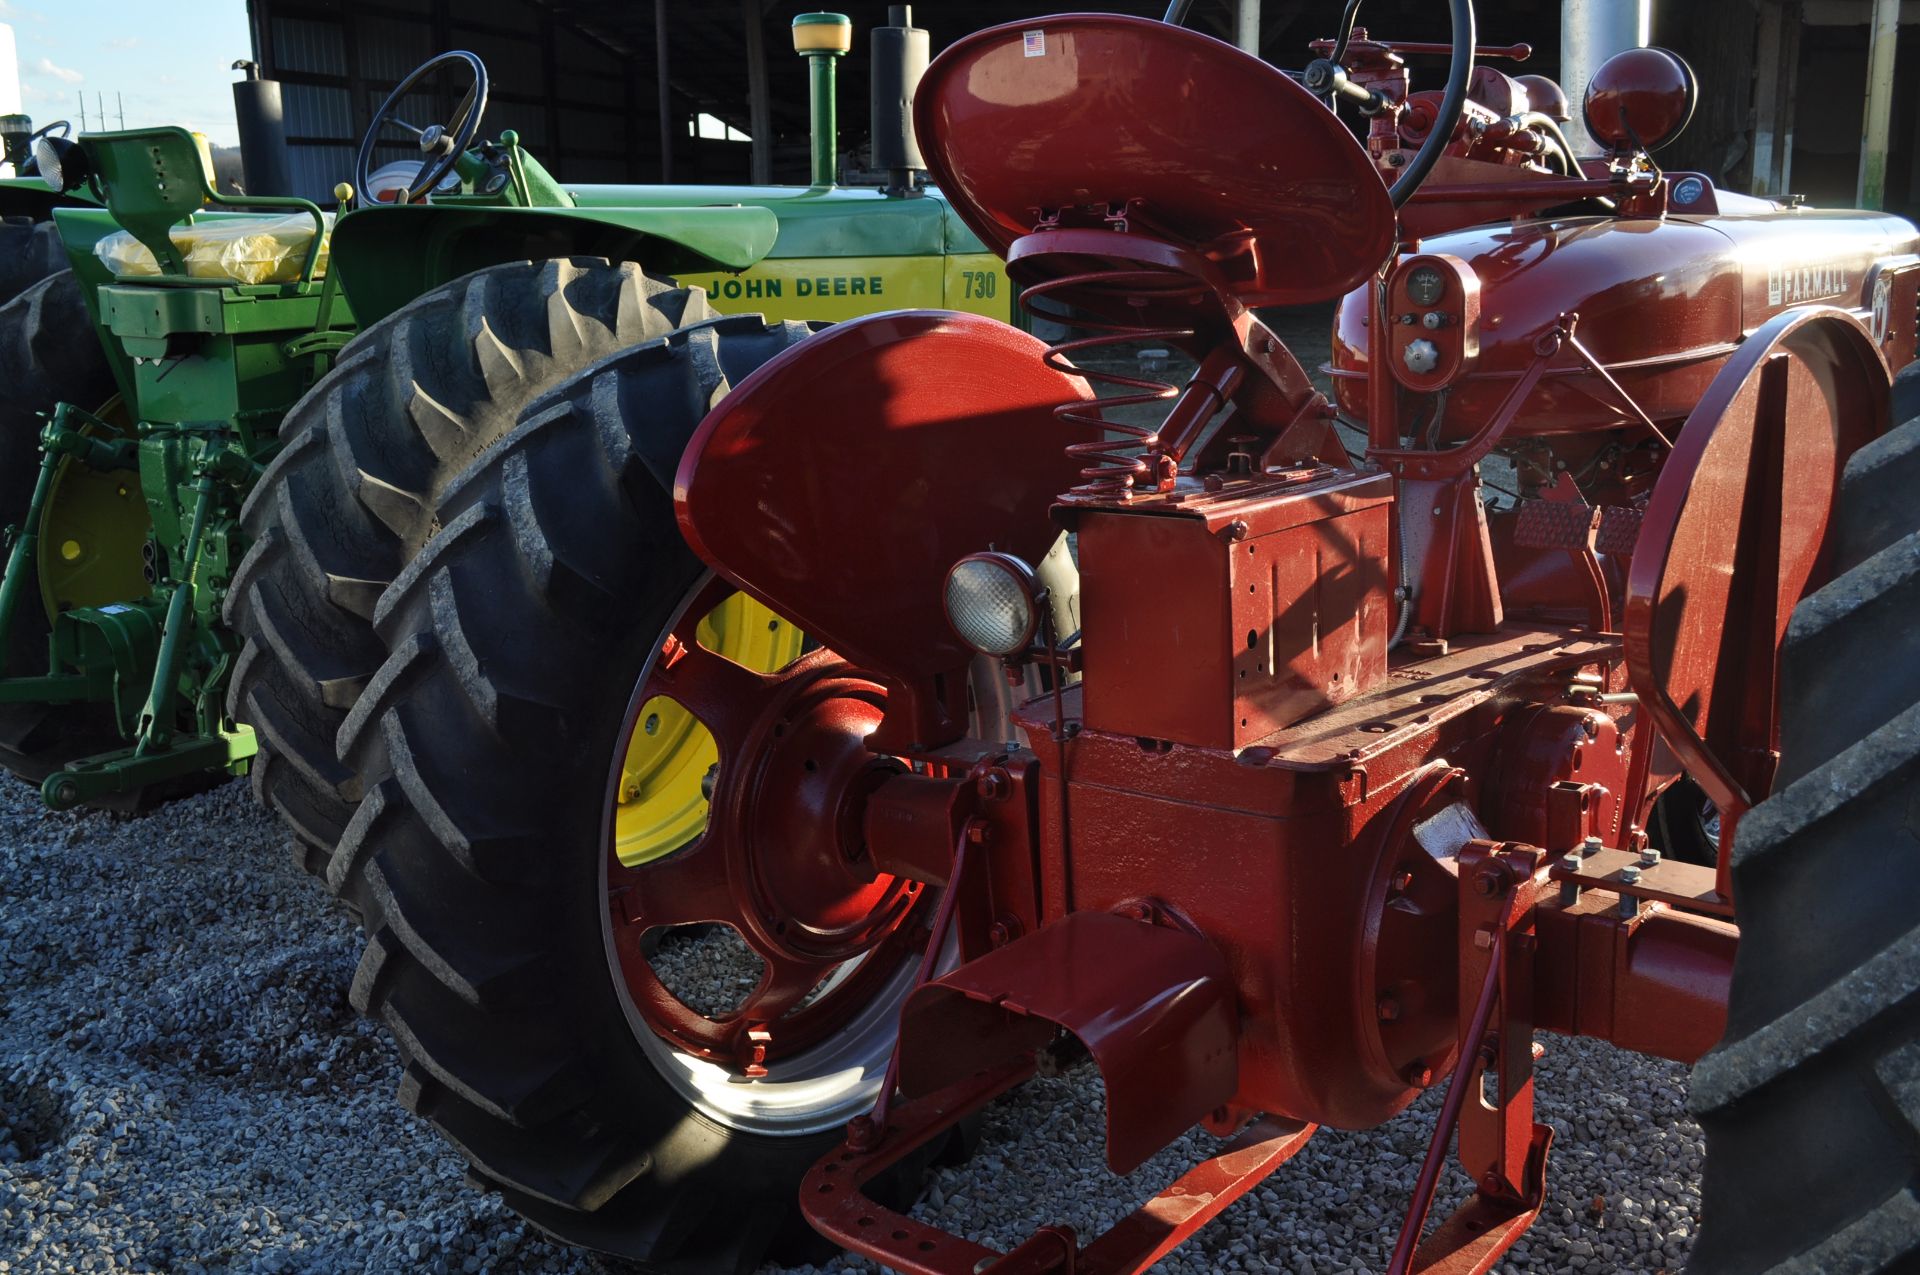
388,255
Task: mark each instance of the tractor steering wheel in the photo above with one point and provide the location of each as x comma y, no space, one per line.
440,146
1452,106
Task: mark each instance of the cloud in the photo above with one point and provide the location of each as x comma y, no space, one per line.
124,42
66,75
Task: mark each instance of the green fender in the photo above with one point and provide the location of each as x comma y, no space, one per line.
386,256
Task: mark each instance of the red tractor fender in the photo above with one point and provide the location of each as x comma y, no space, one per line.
1736,532
839,483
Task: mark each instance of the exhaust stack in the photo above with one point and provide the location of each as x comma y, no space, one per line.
900,52
263,133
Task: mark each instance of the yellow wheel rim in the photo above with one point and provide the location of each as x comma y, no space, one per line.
663,805
92,530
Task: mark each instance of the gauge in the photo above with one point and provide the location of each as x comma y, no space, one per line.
1426,286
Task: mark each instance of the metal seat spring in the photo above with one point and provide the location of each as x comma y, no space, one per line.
1124,455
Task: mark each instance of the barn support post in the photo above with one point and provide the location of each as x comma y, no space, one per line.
759,107
1246,31
1877,123
1776,83
662,64
1768,98
1591,31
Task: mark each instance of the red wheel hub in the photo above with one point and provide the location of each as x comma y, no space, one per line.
782,860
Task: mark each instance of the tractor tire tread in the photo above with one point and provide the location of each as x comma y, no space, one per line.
476,940
29,252
1820,1065
48,355
353,496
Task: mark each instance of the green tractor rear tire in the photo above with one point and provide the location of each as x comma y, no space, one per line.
47,356
352,497
487,743
29,252
1811,1103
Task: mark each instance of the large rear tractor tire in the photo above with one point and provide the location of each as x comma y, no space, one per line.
1811,1103
522,842
48,355
352,498
29,252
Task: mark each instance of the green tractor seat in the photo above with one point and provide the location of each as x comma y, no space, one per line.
157,185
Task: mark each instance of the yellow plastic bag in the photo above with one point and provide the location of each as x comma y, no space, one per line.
236,250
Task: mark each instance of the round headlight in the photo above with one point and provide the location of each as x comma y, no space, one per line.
993,603
61,162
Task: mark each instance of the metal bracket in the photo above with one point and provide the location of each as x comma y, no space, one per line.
1491,1096
834,1204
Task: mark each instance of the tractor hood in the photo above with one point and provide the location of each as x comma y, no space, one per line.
386,256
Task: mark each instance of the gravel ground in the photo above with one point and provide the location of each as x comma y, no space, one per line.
183,1087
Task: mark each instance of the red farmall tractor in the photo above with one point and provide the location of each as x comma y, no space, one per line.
1331,780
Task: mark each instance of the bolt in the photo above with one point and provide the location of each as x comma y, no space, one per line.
1388,1009
1649,857
860,1133
1490,882
1420,1075
1629,904
1402,881
1483,938
1592,845
1238,529
1571,861
994,786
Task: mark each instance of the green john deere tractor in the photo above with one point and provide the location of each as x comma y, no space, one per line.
131,466
114,664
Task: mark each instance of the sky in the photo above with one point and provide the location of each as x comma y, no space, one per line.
168,60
